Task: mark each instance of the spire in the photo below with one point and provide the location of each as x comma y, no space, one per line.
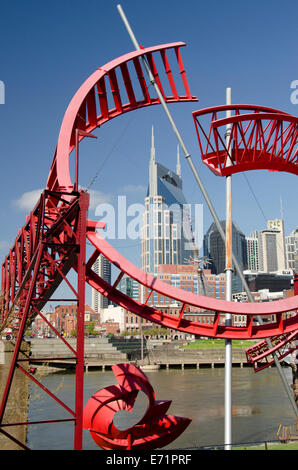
152,169
178,167
152,152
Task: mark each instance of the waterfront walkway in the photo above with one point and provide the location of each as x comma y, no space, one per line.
102,353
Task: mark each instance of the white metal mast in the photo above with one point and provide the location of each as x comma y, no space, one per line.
229,273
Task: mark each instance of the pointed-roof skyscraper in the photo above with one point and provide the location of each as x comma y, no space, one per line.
167,236
152,168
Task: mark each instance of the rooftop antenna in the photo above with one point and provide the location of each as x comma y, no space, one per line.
201,263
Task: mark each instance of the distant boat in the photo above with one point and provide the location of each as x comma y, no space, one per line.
145,367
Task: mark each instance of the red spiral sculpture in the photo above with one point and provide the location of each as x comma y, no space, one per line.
154,430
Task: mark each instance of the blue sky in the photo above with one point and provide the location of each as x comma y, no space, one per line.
49,48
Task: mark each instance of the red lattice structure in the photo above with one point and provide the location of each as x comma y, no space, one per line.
259,138
260,355
53,239
262,138
92,105
217,329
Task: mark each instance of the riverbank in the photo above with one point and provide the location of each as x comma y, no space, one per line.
103,353
259,406
270,446
16,410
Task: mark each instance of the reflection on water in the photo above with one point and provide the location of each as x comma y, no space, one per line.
217,412
260,405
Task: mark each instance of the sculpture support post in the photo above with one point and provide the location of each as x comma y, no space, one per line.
81,262
229,273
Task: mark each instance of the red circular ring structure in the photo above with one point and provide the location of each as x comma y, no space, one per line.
262,138
282,135
88,110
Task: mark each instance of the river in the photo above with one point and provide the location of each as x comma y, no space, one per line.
260,405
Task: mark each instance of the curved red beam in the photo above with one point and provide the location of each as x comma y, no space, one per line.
260,355
242,308
262,139
217,329
236,108
154,430
90,107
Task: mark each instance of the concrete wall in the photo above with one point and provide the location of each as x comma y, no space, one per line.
96,348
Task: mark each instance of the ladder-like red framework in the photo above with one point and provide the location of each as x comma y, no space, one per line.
259,138
262,138
51,242
260,355
112,90
53,239
280,324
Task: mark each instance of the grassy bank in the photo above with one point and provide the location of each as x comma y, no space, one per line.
271,446
217,344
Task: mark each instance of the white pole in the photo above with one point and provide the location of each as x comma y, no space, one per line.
229,272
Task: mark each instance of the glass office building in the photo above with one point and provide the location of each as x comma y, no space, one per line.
166,234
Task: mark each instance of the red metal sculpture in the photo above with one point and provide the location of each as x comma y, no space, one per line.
90,108
53,238
154,430
218,329
261,138
260,354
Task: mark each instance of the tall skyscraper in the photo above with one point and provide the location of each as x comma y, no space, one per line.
166,234
268,251
252,246
130,287
214,247
266,248
291,245
102,267
278,226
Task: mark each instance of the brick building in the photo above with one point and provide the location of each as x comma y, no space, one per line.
64,320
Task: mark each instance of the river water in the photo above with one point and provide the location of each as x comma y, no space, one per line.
260,405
